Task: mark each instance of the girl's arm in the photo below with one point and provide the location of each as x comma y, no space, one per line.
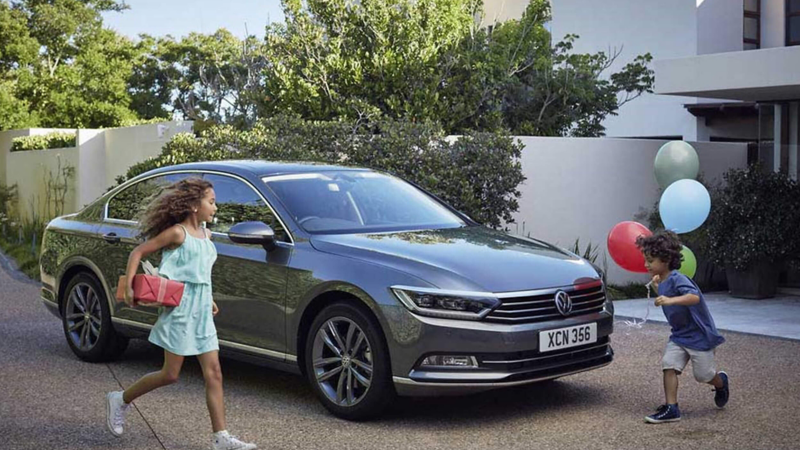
171,236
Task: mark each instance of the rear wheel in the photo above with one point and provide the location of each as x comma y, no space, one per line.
86,319
347,362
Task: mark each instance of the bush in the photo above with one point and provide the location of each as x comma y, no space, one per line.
58,139
754,219
477,173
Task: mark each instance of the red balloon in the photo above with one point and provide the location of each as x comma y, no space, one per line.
622,245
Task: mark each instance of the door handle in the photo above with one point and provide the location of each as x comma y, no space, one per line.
111,238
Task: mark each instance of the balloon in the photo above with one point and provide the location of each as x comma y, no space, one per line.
621,245
689,265
676,160
684,206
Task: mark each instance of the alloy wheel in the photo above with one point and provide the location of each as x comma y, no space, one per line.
83,316
342,360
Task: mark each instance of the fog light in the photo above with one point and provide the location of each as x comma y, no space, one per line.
449,361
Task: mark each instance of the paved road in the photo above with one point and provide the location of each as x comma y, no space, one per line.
51,400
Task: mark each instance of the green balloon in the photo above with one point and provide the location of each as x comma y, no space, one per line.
676,160
689,266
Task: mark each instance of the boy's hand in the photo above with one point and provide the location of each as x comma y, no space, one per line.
655,282
662,300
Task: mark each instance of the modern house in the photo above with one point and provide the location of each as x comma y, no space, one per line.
725,70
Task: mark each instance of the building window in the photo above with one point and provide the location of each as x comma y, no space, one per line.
752,24
792,22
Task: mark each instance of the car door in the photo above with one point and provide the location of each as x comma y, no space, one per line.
119,233
249,283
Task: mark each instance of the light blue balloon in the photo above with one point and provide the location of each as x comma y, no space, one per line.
684,206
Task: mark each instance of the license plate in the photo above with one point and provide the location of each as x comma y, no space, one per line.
559,338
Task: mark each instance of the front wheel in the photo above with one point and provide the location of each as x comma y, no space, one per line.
347,362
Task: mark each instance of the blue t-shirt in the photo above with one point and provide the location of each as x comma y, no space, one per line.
692,326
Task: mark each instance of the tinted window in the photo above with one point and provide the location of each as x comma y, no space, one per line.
358,202
127,204
238,202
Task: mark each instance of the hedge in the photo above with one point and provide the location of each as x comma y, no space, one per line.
58,139
477,173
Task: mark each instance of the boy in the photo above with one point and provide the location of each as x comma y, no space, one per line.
694,335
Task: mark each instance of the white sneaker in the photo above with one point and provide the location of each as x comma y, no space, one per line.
224,441
115,412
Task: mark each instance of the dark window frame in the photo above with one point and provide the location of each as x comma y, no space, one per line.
753,15
789,16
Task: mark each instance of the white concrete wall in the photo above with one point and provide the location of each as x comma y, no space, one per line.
92,161
581,188
720,26
665,29
501,10
99,157
6,138
773,23
125,147
30,171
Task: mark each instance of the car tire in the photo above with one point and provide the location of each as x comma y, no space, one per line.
360,340
86,320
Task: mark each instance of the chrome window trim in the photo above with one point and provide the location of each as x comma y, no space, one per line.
213,172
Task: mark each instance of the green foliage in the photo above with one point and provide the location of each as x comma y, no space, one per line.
754,219
477,173
58,139
210,78
60,68
427,60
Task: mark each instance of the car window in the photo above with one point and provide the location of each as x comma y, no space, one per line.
358,202
131,201
239,202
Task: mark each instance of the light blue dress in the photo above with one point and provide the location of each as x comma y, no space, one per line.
188,329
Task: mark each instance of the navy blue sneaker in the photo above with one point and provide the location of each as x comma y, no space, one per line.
665,413
721,395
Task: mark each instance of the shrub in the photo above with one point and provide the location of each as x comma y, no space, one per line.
754,219
477,173
58,139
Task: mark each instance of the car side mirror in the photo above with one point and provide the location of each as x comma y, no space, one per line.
253,233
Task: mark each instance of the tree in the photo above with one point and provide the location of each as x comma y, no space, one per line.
208,78
429,60
62,68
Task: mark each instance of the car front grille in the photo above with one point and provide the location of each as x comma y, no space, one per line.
540,306
537,361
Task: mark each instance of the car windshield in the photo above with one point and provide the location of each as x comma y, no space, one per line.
343,202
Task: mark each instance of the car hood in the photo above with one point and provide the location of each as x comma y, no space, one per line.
469,258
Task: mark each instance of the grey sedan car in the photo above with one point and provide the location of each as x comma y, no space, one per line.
365,284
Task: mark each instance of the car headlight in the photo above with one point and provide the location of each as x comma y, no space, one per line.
446,304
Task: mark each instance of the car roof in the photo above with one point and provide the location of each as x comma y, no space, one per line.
260,168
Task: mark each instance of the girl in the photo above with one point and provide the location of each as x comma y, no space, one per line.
172,222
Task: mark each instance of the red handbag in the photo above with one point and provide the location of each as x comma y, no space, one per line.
152,290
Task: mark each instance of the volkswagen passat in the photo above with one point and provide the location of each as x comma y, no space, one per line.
363,283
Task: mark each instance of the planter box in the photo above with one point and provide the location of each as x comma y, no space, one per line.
759,281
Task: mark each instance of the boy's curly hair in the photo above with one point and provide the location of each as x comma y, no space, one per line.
172,206
664,245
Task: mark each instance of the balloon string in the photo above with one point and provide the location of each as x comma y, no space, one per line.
634,323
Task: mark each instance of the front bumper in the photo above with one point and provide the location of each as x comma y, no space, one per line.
507,355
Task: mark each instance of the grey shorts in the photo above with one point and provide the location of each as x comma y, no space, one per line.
676,357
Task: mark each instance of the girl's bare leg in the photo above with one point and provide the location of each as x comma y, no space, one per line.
212,373
167,375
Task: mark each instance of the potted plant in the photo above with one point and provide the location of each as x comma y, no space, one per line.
752,229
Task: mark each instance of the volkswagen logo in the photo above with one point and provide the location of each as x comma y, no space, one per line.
563,303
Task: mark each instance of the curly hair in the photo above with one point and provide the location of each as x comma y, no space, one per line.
172,206
664,245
